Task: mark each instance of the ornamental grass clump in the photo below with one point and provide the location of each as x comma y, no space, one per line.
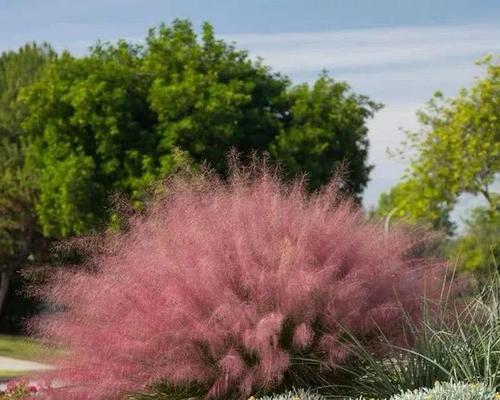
224,286
460,342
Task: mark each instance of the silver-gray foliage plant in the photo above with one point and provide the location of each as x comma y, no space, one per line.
440,391
294,395
447,391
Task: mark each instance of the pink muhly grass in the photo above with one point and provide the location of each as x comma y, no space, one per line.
219,284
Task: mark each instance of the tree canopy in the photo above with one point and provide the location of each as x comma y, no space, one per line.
479,248
19,233
126,115
327,127
456,151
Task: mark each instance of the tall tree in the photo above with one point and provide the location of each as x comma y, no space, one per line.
125,115
210,97
456,151
89,132
327,127
18,222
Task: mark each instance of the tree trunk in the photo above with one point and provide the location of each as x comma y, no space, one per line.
5,277
8,271
15,262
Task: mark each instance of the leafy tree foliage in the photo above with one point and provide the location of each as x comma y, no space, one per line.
479,248
88,129
457,151
209,97
125,115
17,70
327,128
18,222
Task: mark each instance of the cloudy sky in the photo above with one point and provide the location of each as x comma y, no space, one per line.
396,51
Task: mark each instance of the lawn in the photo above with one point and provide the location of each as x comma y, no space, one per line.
20,348
8,375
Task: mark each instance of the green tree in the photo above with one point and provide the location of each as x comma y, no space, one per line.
456,151
479,248
19,232
18,69
89,132
125,115
327,127
210,97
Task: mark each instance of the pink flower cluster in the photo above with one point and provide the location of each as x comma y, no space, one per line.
220,284
23,389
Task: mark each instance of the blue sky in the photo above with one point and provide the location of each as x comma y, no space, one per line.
396,51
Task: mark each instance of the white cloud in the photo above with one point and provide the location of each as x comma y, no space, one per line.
385,133
400,67
297,52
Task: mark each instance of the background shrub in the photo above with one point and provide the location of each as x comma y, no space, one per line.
228,287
